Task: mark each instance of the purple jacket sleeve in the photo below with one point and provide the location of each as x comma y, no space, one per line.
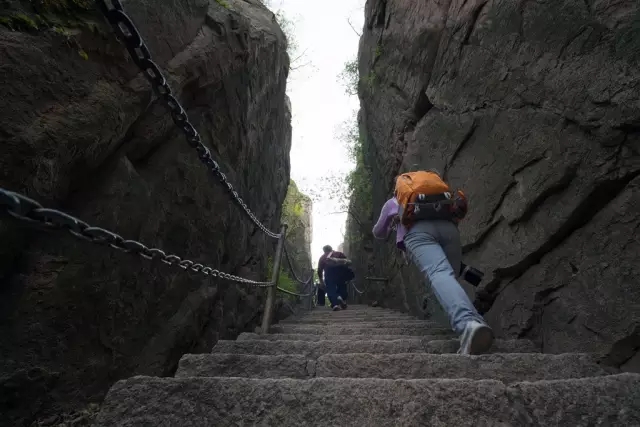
383,227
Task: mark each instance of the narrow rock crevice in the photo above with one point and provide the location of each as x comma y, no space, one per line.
557,188
475,14
467,137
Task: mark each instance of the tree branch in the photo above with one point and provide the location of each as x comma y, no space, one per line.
354,30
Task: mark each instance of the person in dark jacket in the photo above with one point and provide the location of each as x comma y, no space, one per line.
332,278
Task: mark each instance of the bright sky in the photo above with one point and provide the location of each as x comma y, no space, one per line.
319,102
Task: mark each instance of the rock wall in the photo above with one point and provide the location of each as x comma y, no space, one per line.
81,131
296,213
534,109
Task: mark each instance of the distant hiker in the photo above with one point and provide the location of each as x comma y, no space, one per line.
427,212
335,267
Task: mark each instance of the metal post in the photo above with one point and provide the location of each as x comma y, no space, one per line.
275,275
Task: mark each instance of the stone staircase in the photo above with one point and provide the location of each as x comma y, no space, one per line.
374,367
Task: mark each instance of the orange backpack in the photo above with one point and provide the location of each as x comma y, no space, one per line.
423,195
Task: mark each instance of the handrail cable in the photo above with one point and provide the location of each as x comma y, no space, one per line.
129,35
32,212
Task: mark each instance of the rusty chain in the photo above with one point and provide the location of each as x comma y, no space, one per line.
129,35
33,213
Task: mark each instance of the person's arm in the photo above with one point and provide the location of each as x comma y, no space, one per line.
382,229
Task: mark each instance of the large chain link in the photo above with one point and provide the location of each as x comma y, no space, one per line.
32,212
127,32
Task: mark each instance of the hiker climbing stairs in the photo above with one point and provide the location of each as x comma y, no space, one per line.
368,366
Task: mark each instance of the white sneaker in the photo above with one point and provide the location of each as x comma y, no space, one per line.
336,308
477,338
342,303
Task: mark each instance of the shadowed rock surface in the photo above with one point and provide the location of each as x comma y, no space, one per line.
533,108
82,131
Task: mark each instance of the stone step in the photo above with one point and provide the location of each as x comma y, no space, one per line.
246,366
309,337
344,316
357,330
315,349
393,322
508,368
356,308
189,402
406,323
351,313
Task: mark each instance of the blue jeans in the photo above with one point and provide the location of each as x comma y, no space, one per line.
335,288
436,250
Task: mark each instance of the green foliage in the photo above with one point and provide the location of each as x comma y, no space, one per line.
20,22
358,181
349,77
378,52
284,281
223,3
298,209
83,54
370,79
62,31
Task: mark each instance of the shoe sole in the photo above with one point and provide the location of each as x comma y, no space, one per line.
481,341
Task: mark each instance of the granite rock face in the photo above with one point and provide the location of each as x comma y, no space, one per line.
533,108
82,132
296,213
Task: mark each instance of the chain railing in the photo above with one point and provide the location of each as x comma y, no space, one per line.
128,34
33,213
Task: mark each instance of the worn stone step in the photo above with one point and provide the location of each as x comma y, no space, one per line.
508,368
315,349
246,365
406,323
390,322
188,402
310,337
357,330
351,313
329,319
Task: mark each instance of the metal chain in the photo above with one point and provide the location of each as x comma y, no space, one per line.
128,34
292,293
356,289
32,212
293,271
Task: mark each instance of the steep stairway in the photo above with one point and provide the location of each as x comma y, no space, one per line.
368,366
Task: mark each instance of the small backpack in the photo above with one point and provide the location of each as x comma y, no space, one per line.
423,195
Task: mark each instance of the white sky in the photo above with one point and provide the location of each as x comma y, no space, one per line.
319,102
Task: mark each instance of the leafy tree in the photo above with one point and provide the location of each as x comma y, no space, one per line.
349,77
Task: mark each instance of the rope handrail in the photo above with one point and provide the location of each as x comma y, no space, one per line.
129,35
29,211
